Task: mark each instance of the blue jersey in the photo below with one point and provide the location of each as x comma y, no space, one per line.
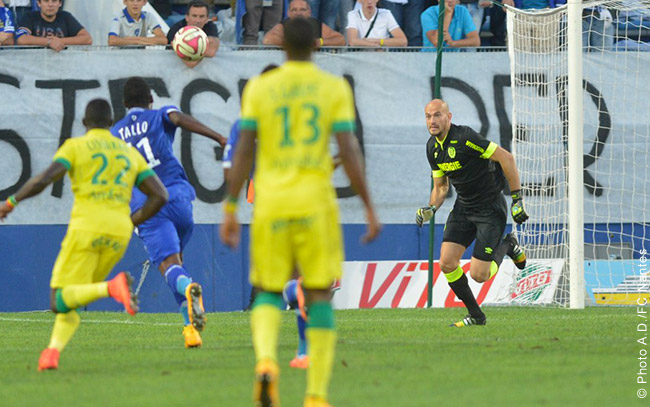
231,145
152,133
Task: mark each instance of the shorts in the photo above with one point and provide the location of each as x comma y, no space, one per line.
168,231
87,257
486,224
312,243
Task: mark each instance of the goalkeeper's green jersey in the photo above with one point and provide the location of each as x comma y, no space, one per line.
295,109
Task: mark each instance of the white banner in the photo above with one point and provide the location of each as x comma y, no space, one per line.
44,94
403,284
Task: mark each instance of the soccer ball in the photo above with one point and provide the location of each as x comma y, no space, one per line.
190,43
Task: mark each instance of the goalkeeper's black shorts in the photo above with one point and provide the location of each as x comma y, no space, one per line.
486,224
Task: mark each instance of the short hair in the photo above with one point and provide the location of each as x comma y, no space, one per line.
137,92
298,37
98,114
269,67
198,3
304,1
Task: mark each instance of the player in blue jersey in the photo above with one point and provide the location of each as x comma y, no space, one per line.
166,234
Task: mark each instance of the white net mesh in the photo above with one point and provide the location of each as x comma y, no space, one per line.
616,137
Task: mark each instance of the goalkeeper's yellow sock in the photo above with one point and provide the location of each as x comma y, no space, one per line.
494,267
321,337
75,296
265,325
65,325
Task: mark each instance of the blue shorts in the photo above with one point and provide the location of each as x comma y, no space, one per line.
168,231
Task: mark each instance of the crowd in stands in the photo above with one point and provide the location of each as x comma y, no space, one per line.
357,23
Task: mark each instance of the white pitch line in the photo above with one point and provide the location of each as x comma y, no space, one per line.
91,321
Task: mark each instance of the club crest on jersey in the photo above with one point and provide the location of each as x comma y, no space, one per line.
134,117
451,152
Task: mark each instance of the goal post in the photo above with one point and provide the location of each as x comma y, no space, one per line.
580,81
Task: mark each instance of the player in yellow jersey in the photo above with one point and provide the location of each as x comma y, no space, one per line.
290,114
103,171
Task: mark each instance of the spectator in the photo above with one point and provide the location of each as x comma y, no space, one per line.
597,28
407,14
325,36
498,24
163,8
369,26
51,27
537,34
20,8
458,28
132,26
477,9
268,13
198,16
7,27
325,11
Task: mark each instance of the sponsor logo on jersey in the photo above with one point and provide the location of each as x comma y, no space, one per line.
452,166
474,147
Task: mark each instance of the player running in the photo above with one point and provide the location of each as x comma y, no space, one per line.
476,168
288,115
166,234
103,172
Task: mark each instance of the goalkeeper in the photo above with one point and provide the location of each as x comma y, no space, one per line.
476,168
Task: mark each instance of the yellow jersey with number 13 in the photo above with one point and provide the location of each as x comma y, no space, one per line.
103,171
295,109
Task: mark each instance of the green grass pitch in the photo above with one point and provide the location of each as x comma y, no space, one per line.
410,358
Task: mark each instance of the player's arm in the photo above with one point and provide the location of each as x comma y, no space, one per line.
33,186
439,191
157,196
275,36
352,161
229,231
330,37
509,167
189,123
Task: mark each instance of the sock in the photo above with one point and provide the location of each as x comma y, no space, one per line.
184,312
460,286
321,336
265,324
75,296
302,342
499,254
65,326
178,279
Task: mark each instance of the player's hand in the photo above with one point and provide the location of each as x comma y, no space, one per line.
374,227
424,214
230,232
517,210
5,210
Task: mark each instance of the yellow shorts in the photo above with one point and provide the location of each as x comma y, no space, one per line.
313,244
87,257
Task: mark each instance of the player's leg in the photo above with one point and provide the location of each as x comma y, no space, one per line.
271,267
294,296
163,242
319,253
458,235
74,285
490,249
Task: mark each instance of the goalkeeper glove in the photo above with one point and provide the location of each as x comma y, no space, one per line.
517,210
424,214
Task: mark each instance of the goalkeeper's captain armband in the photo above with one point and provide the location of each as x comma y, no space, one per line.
424,214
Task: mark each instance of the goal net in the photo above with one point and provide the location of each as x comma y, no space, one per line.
615,134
